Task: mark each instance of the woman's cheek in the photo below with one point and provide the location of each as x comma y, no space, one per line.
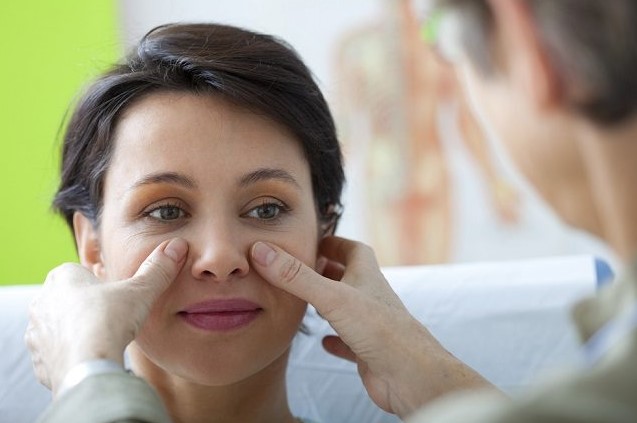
306,251
125,258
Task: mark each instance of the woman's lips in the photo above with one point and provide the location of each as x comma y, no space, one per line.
221,315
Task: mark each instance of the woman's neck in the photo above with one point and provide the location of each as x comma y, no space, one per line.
260,398
611,159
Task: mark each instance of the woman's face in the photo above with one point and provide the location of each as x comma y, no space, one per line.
196,167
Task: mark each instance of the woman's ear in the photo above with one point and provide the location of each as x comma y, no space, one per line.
525,55
88,244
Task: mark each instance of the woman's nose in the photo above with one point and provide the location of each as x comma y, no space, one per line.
219,254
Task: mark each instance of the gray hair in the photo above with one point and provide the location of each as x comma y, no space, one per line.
592,44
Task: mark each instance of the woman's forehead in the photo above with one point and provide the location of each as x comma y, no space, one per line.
202,135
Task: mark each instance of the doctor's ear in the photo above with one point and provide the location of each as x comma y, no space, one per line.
525,52
88,244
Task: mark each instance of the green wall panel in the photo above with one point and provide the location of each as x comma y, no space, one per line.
48,49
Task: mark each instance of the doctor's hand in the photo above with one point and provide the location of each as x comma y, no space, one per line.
75,318
401,364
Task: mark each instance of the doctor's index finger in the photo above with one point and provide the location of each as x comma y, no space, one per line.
290,274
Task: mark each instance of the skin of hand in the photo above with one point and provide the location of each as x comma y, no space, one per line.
76,317
401,364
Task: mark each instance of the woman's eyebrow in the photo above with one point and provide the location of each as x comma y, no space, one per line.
265,174
165,178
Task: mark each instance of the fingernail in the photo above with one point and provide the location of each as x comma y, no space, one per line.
176,249
263,254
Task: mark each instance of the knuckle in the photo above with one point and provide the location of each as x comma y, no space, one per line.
50,275
66,274
366,250
290,270
66,268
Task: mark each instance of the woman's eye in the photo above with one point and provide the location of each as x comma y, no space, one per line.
266,211
166,213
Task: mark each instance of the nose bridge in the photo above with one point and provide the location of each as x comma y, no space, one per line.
219,250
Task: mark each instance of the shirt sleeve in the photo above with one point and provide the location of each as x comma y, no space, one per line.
604,394
108,398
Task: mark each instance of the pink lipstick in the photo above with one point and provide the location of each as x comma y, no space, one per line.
221,315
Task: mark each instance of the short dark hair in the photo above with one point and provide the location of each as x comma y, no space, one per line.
591,43
255,71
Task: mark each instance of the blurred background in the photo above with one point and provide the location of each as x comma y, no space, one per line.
426,184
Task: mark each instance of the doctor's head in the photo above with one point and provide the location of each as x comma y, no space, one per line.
541,73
